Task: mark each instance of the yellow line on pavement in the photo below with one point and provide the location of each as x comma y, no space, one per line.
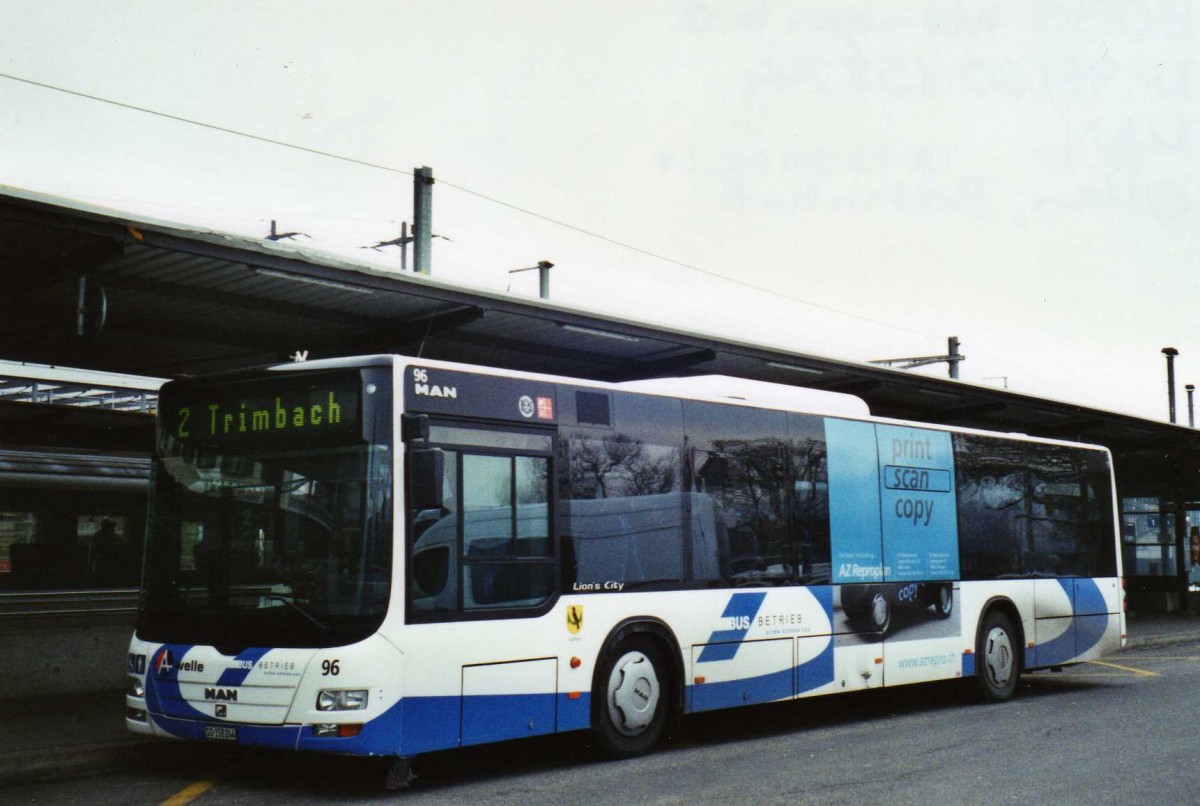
189,794
1130,669
1180,657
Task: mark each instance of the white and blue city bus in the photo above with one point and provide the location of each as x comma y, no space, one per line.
387,556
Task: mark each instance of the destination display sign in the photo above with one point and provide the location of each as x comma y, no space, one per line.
263,411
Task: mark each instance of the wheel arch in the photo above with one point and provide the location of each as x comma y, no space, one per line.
1009,608
658,631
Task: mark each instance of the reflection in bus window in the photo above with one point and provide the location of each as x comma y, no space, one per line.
738,458
507,559
1031,509
810,497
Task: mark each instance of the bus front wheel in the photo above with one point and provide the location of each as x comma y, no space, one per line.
996,658
633,690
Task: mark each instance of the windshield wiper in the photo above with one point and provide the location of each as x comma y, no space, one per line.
316,622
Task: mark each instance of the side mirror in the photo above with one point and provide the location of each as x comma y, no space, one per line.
414,427
426,467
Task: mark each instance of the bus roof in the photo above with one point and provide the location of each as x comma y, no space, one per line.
765,393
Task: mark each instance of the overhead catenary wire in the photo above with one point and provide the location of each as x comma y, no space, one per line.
214,127
492,199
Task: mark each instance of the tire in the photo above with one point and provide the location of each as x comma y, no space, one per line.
997,660
943,600
868,608
876,612
633,695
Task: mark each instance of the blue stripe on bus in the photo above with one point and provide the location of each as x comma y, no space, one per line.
1084,631
436,723
745,690
723,644
499,717
817,672
824,596
1060,649
781,685
1089,601
237,676
412,726
575,714
162,687
280,737
417,725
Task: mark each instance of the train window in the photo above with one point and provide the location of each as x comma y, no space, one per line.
111,552
16,528
71,520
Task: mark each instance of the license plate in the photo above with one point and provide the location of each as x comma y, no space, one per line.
220,733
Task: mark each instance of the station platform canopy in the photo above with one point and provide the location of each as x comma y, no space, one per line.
88,287
25,383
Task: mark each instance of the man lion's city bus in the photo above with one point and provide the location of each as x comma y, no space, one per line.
386,556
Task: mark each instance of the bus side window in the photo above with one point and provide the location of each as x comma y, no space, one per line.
810,498
433,533
992,506
625,511
738,457
507,558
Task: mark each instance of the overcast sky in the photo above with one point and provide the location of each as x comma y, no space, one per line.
1023,176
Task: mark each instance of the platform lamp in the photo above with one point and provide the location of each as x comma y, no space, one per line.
1191,389
1170,353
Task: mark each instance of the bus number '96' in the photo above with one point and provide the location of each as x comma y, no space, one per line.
329,667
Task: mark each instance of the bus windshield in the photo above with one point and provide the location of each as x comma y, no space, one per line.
270,515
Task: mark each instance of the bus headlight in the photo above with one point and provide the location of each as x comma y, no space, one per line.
136,689
342,699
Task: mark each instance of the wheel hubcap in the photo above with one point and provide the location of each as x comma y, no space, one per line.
944,596
633,692
998,656
879,610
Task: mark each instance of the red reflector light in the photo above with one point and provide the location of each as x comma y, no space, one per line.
699,680
572,695
346,731
576,663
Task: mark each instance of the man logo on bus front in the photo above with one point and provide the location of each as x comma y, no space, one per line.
165,664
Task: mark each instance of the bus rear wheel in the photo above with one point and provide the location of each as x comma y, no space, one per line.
633,691
996,657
